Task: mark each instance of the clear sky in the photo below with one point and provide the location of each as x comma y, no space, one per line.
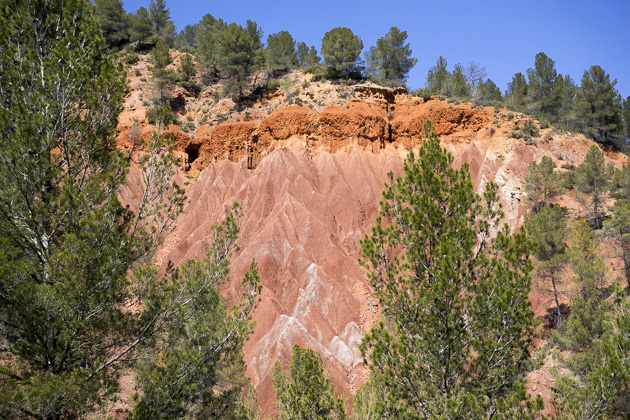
503,35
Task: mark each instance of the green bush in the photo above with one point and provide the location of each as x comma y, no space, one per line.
273,84
131,58
526,132
191,86
161,114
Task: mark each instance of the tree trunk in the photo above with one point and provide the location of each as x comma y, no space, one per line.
555,296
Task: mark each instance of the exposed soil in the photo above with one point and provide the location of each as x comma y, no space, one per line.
309,177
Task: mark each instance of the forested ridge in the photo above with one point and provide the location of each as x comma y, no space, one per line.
83,301
235,54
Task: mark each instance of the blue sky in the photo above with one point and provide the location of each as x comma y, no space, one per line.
503,35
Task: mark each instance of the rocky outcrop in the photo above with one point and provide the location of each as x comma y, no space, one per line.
371,124
310,181
305,211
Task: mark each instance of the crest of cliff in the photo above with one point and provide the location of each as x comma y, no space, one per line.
308,161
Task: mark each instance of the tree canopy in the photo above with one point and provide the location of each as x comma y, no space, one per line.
303,391
598,106
280,53
341,49
390,60
66,241
455,297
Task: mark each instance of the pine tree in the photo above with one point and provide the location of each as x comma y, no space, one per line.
374,401
141,26
238,51
598,107
187,68
160,58
458,85
307,57
625,117
161,21
587,263
194,369
67,244
456,298
438,76
517,91
303,392
593,177
341,49
487,92
567,92
548,229
113,21
390,60
600,370
208,30
542,184
543,96
280,53
186,39
617,230
620,186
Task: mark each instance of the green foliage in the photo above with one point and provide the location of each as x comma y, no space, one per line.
161,115
487,93
620,185
567,92
186,39
593,177
161,57
438,76
542,87
307,57
617,230
548,229
187,67
456,297
542,184
280,53
194,369
341,49
517,91
303,392
586,262
599,378
458,85
374,400
131,58
625,117
163,26
584,328
207,32
238,51
598,107
113,20
67,244
141,26
526,131
390,60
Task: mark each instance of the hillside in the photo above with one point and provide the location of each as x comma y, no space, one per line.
308,162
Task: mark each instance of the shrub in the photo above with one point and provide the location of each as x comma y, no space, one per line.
161,114
526,132
273,84
131,58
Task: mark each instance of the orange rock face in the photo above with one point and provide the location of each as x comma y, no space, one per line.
310,181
